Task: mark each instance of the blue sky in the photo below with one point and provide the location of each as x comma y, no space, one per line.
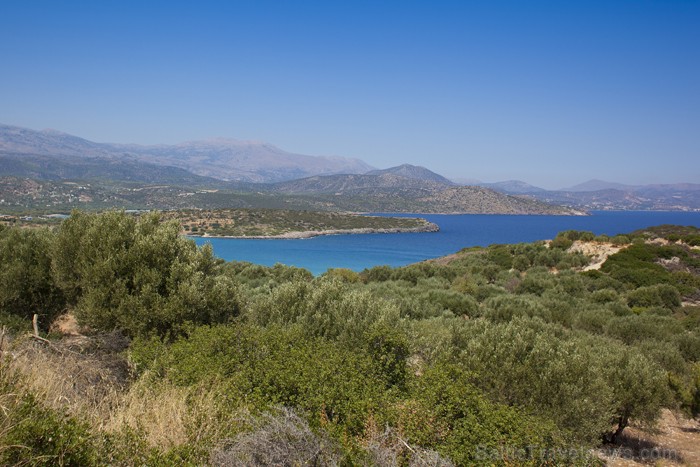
553,93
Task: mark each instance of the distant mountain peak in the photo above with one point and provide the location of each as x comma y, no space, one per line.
514,187
413,172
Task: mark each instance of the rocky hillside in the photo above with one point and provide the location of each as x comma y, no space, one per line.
512,187
413,172
354,185
480,200
392,193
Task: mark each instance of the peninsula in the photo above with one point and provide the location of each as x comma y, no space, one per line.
288,224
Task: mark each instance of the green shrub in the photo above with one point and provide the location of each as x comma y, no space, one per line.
593,320
639,389
535,284
343,274
500,255
565,239
376,274
325,308
528,363
604,296
504,308
26,284
261,368
33,435
635,328
139,275
449,414
661,295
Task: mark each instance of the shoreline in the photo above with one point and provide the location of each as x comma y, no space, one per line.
576,213
300,235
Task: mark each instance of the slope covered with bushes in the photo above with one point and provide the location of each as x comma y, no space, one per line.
506,354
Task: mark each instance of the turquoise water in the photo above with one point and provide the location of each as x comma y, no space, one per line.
358,252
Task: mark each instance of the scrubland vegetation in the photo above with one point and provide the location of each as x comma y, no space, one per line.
506,355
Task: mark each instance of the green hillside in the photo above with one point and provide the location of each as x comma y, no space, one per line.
505,355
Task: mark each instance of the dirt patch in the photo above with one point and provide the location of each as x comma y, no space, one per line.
676,443
65,325
598,252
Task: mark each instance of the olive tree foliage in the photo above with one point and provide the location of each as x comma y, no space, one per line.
138,274
639,389
26,285
331,309
527,363
326,307
589,385
451,415
661,295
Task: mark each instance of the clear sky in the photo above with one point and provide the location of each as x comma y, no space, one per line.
550,92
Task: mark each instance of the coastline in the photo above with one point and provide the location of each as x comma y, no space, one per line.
300,235
572,213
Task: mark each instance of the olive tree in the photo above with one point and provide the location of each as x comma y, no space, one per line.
139,275
26,285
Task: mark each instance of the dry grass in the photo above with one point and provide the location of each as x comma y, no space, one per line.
84,383
169,416
89,378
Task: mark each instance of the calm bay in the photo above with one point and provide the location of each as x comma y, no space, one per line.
358,252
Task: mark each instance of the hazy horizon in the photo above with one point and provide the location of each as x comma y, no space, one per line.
456,179
550,93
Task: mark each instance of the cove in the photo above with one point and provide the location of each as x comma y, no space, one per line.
358,252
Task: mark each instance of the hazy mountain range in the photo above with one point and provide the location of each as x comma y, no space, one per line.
603,195
255,173
224,159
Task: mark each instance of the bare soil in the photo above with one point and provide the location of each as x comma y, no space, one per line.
676,443
598,252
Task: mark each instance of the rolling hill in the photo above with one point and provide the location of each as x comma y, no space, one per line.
121,168
512,187
386,192
413,172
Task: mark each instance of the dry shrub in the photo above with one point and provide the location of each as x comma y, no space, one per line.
81,375
388,448
280,438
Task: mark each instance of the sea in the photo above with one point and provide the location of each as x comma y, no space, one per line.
457,231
